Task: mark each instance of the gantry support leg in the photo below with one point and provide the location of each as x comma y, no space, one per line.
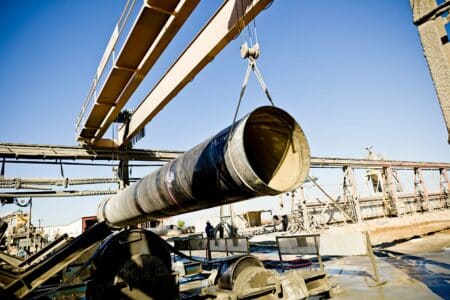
395,206
350,194
304,209
420,190
123,174
445,185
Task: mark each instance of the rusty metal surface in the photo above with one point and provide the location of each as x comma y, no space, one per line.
329,162
37,151
436,47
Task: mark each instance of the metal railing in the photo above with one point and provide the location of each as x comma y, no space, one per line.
108,55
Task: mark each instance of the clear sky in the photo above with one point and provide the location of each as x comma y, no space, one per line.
351,72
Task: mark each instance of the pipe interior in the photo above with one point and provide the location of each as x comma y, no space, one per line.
276,148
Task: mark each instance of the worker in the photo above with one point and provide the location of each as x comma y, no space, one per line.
283,213
284,222
209,229
219,229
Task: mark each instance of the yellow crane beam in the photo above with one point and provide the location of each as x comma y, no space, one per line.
222,28
156,24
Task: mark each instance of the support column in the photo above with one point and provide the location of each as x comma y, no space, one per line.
394,206
304,209
228,220
350,194
2,170
420,190
123,174
30,203
293,206
445,185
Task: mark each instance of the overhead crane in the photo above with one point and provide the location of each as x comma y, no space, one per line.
156,25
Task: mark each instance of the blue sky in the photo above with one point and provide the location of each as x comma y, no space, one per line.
351,72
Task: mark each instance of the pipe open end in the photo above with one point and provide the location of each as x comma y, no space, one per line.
276,148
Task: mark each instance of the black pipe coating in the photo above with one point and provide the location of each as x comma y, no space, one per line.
264,153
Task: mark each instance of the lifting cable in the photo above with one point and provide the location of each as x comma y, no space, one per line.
251,53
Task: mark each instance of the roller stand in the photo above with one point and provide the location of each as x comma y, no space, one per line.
132,264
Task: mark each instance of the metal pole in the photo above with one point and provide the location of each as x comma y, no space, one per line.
372,259
29,227
304,207
2,172
123,173
293,208
232,231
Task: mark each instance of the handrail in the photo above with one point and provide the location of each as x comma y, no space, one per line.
109,51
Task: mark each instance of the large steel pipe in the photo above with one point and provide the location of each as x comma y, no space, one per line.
264,153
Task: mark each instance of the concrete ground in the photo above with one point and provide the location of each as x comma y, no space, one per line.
412,255
355,279
416,269
436,242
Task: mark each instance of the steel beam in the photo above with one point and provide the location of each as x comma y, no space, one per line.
222,28
329,162
49,194
156,25
350,194
394,206
420,189
31,151
18,182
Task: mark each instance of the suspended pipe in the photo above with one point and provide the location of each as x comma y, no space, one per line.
264,153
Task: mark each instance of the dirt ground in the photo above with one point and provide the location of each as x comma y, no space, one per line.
439,241
387,230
